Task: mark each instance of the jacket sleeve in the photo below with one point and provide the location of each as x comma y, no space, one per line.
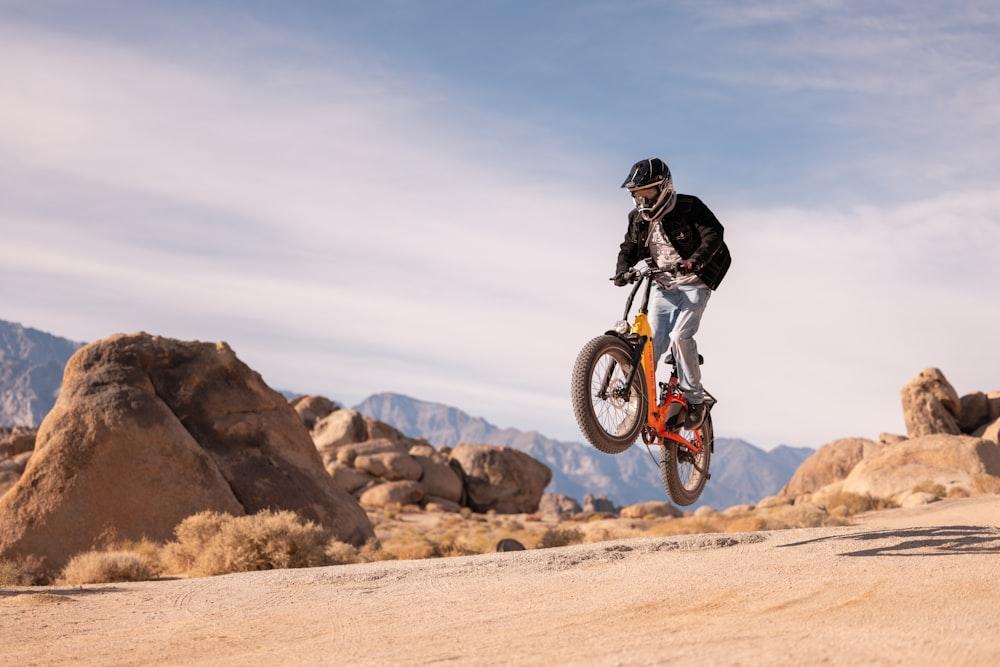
710,230
628,253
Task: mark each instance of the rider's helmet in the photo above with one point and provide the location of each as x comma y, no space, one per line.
651,186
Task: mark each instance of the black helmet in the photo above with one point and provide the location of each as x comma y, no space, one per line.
646,173
652,187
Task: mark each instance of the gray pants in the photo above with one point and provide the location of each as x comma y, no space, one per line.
675,314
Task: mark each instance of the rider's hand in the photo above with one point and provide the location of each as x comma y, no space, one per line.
621,279
686,266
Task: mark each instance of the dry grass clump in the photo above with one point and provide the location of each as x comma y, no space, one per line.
927,486
854,503
559,537
985,485
99,567
210,543
10,574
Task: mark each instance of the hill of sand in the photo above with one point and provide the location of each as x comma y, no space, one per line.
915,585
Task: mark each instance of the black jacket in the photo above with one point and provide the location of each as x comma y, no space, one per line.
694,232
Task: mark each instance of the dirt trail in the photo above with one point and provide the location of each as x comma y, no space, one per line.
908,586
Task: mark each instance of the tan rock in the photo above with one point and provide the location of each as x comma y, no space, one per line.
930,405
603,504
422,450
993,398
974,411
890,438
439,479
347,478
391,466
313,408
831,462
346,454
147,431
16,440
915,498
990,431
774,501
341,427
558,505
948,460
377,429
388,493
501,478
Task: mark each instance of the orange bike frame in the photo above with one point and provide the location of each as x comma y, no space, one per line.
656,414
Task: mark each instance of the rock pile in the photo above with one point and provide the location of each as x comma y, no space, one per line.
952,446
147,431
380,466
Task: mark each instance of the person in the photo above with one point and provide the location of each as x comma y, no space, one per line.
679,233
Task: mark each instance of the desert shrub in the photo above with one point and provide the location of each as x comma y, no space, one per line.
341,553
100,567
10,574
210,543
854,503
26,571
409,547
985,485
927,486
559,537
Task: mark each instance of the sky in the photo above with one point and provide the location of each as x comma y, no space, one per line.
422,197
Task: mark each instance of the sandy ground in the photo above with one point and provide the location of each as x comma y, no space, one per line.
915,586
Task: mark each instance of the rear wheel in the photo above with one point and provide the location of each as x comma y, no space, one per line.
609,421
685,473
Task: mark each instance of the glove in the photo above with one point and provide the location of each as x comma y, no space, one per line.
687,266
620,279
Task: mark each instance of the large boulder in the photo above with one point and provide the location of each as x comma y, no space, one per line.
392,493
948,460
391,466
592,503
501,478
830,463
346,454
558,505
974,411
930,405
347,478
439,479
990,431
341,427
149,430
313,408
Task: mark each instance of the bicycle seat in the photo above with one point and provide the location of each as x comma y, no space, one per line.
669,359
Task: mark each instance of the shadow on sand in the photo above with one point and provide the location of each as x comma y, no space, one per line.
933,541
61,592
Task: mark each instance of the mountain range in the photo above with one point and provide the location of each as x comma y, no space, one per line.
741,472
31,370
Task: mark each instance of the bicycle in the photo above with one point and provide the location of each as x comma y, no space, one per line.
613,390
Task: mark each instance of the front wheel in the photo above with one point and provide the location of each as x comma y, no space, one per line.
685,473
610,420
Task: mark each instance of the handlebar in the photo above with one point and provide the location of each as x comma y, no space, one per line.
633,275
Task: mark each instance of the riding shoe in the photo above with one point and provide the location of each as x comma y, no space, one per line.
695,416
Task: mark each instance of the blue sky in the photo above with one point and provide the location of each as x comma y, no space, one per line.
422,197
